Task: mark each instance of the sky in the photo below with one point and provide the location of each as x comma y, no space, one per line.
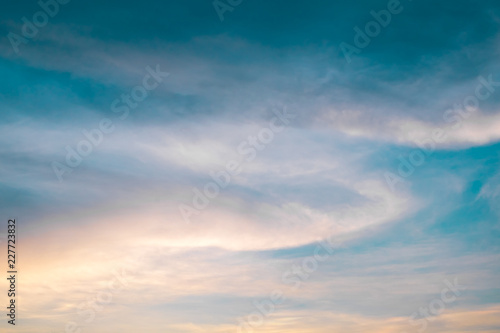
251,166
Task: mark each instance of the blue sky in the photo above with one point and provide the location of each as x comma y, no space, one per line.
207,158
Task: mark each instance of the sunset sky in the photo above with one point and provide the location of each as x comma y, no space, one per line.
238,166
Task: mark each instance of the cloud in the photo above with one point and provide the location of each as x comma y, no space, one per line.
322,177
